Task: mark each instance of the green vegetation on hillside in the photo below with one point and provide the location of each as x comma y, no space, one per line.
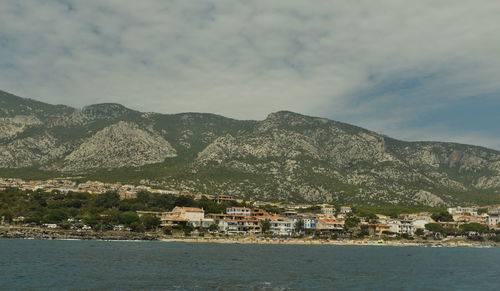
98,211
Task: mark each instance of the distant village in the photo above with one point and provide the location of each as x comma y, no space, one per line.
292,219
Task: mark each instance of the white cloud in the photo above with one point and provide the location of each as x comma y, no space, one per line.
244,59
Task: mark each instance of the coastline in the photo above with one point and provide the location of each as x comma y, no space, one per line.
59,234
441,243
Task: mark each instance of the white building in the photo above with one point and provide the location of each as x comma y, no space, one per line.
493,219
238,211
402,226
345,209
462,211
420,223
281,226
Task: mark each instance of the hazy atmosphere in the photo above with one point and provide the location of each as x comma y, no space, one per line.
419,70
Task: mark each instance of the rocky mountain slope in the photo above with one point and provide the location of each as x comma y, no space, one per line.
287,156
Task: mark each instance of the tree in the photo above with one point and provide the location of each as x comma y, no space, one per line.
364,230
265,225
7,215
184,200
419,232
186,227
55,216
65,225
137,226
213,227
434,227
371,218
150,222
299,226
444,216
474,227
107,200
129,217
92,220
482,211
351,222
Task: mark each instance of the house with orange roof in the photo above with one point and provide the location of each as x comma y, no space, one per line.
258,213
378,228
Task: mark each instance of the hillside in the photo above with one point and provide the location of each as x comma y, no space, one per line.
286,157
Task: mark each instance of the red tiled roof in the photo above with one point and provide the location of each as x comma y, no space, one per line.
192,209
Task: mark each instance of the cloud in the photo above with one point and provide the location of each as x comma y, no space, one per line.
380,64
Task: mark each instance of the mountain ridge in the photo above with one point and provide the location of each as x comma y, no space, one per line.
287,156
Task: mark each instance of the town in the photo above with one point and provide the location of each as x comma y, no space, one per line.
97,206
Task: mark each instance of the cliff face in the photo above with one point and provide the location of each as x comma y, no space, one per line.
287,156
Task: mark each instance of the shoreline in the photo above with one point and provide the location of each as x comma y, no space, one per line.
441,243
59,234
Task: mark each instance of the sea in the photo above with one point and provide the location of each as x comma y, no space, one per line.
127,265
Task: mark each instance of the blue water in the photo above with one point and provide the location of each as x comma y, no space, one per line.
100,265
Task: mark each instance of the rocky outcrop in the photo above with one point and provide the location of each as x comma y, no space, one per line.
427,198
39,149
11,126
123,144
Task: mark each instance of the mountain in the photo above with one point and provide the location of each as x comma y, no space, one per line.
286,157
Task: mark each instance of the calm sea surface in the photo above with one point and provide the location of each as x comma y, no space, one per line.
99,265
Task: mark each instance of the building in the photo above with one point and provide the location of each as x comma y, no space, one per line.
383,218
239,211
402,227
289,213
190,213
152,213
249,225
224,198
494,217
420,223
469,211
328,210
236,224
345,209
193,215
258,213
378,228
483,218
310,223
330,224
281,225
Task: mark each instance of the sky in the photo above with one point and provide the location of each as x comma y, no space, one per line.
413,70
